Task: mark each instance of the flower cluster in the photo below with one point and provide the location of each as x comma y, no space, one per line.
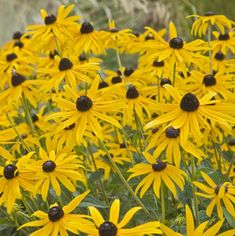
72,129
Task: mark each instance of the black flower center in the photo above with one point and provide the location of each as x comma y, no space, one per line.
82,57
224,37
231,142
176,43
84,103
49,19
128,71
48,166
209,80
53,54
219,56
165,81
132,93
17,79
65,64
55,213
114,30
103,84
217,188
70,127
155,130
24,136
159,166
19,44
116,79
10,57
209,13
122,145
17,35
171,132
10,171
86,28
189,102
157,63
182,74
34,118
108,229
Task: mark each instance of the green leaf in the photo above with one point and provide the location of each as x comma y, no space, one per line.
229,218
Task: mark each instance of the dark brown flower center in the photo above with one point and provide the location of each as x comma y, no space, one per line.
159,166
17,79
10,171
19,44
217,188
128,71
55,213
209,80
10,57
108,229
50,19
189,102
84,103
171,132
157,63
82,57
224,37
34,118
70,127
65,64
155,130
231,142
17,35
103,84
53,54
114,30
182,74
132,93
176,43
116,79
219,56
48,166
86,28
165,81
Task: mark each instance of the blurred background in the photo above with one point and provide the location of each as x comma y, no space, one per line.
135,14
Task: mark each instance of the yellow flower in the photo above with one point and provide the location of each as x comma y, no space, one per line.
58,220
190,114
201,25
111,226
84,109
217,193
158,172
201,230
14,179
54,169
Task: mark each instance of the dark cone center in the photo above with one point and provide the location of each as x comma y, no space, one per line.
132,93
165,81
171,132
189,102
86,28
34,118
65,64
116,79
48,166
224,37
159,166
55,213
17,79
84,103
10,171
231,142
176,43
50,19
10,57
128,71
53,54
70,127
158,63
209,80
19,44
103,84
219,56
217,188
108,229
82,57
17,35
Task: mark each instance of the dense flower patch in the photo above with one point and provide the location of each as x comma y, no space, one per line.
140,150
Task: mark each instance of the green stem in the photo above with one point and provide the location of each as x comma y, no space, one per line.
173,80
18,134
218,159
158,88
195,200
209,45
125,183
118,60
163,204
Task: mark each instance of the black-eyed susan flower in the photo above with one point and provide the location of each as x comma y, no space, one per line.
114,227
85,109
202,23
15,178
168,140
55,30
179,53
190,113
217,193
54,169
200,230
59,220
158,172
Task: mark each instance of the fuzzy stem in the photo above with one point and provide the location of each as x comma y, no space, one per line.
163,204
